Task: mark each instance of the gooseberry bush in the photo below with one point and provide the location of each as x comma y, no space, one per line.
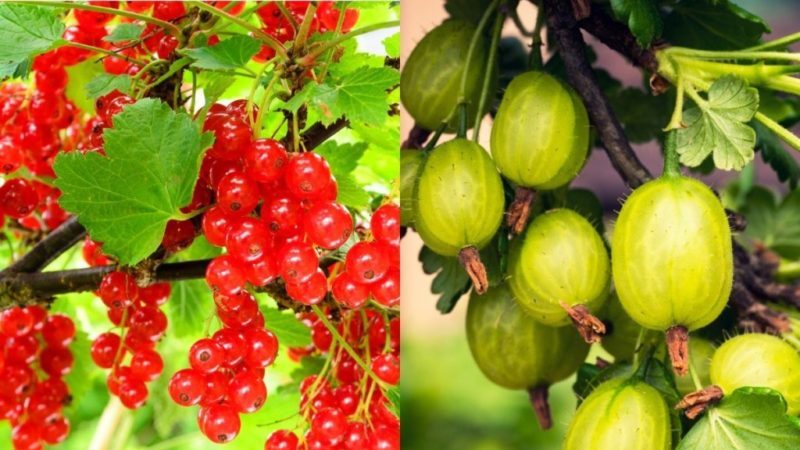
675,315
201,225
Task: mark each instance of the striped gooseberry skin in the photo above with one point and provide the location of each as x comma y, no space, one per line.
672,255
410,162
758,360
560,258
515,351
430,82
458,199
621,414
540,136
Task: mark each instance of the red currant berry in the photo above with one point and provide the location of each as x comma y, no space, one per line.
216,223
366,262
186,387
58,330
56,361
328,225
282,440
156,294
281,214
237,194
321,337
298,262
18,198
206,355
118,290
133,393
216,389
330,424
262,347
232,343
168,10
147,364
307,175
262,272
386,291
104,350
385,223
16,322
178,235
26,436
265,160
55,431
220,423
248,239
225,275
387,368
247,392
348,292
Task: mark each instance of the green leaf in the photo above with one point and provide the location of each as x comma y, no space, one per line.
775,225
590,376
778,158
124,32
125,199
719,126
642,115
190,305
351,193
642,17
747,419
26,30
713,25
78,377
104,83
360,95
344,159
393,395
79,75
289,330
392,45
451,281
229,54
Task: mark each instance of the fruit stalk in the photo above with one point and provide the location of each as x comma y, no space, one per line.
520,209
678,347
470,259
541,406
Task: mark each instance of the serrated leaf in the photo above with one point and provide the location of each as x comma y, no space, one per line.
289,330
392,45
773,153
642,115
642,18
360,95
351,193
124,32
777,226
713,25
229,54
451,281
125,199
747,419
343,158
104,83
719,126
26,30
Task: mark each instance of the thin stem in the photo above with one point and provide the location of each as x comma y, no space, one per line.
637,350
262,113
473,44
312,55
535,60
461,111
786,135
735,55
250,98
676,121
487,76
435,139
338,337
173,69
775,43
267,39
92,48
329,56
672,167
305,26
698,385
287,15
173,29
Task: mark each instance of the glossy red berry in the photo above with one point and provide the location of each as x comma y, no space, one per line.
133,392
311,291
16,322
348,292
186,387
147,364
387,368
56,361
281,214
104,349
156,294
225,275
58,330
385,223
18,198
321,337
262,271
265,160
366,262
26,436
237,194
330,424
55,431
247,392
118,290
386,291
282,440
248,239
220,423
178,235
298,262
262,347
307,175
328,225
216,223
216,390
206,355
233,345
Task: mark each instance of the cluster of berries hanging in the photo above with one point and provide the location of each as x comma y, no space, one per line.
34,360
345,406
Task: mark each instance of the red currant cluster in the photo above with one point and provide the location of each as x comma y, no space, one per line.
346,407
226,374
35,358
277,24
130,353
372,268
